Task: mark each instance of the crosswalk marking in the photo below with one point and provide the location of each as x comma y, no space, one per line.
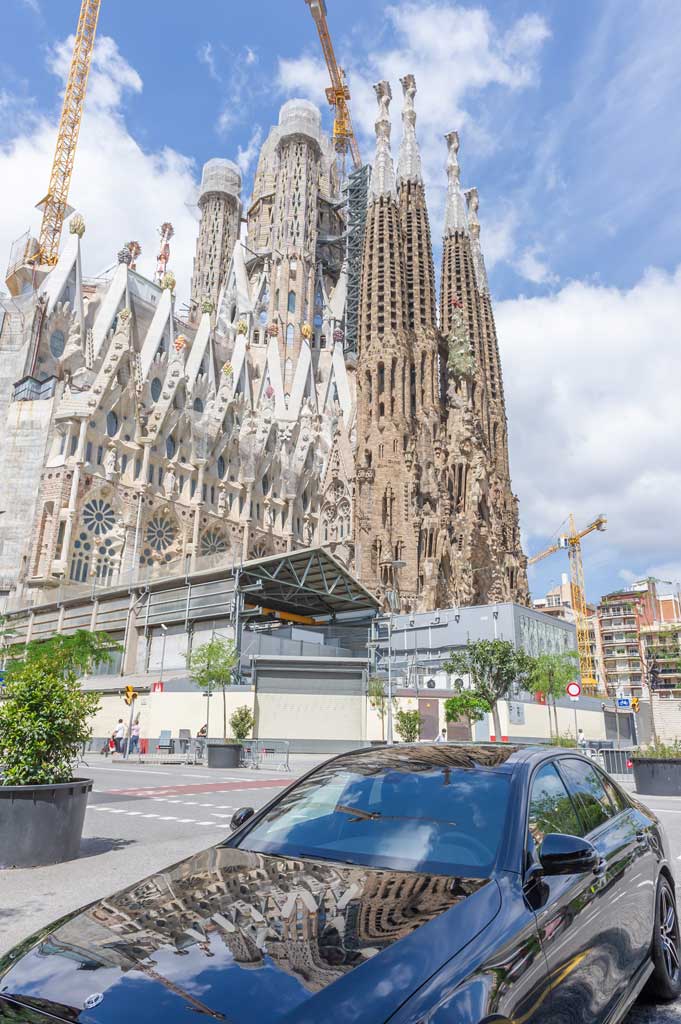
167,817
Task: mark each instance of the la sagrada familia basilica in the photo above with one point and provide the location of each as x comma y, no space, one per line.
139,438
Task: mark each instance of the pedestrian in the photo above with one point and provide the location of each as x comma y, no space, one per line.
135,737
119,735
581,739
111,743
201,741
442,737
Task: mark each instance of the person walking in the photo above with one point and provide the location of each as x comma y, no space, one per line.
135,737
581,739
119,735
441,737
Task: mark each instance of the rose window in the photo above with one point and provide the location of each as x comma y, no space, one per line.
98,517
213,542
160,534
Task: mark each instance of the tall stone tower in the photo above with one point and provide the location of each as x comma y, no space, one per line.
386,387
220,206
436,519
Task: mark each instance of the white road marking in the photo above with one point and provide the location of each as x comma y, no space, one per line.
169,817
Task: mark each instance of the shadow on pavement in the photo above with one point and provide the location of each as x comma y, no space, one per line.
95,845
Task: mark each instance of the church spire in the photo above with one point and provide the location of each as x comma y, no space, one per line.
455,212
383,177
473,202
409,163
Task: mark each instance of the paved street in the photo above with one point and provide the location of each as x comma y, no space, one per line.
141,819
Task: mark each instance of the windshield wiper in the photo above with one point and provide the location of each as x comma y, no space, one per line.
358,814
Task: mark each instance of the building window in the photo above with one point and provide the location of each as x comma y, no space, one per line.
156,388
170,446
98,516
111,424
198,405
291,302
80,562
57,344
213,542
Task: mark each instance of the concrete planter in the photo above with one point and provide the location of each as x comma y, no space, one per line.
41,824
223,754
657,776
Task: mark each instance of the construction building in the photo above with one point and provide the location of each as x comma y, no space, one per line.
559,604
141,443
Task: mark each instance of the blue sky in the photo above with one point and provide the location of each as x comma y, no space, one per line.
568,114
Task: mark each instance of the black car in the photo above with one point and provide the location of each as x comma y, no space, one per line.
415,884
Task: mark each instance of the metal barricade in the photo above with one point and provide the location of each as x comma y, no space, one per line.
273,754
618,763
249,754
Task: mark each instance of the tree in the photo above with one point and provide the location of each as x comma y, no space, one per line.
242,722
407,725
378,700
45,718
493,667
466,705
210,666
550,674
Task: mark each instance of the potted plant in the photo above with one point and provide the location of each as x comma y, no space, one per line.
657,769
211,667
242,721
44,722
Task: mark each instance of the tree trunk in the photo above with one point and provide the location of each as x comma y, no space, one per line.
548,708
224,712
497,722
555,716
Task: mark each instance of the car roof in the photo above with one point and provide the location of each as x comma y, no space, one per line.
421,756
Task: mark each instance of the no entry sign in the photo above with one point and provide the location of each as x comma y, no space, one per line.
573,689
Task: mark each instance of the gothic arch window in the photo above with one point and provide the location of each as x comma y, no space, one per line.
232,312
291,302
213,542
221,467
111,423
57,344
80,560
170,446
156,387
198,405
289,336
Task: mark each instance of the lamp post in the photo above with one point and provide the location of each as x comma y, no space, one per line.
393,600
164,632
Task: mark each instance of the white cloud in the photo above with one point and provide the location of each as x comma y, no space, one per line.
242,85
251,56
533,267
246,156
499,236
206,56
122,191
592,376
32,5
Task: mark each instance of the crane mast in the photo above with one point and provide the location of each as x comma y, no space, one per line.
572,541
338,93
54,205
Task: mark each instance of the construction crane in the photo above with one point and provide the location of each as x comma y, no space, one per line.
54,206
572,541
338,93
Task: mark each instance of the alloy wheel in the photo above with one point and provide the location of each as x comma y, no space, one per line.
669,933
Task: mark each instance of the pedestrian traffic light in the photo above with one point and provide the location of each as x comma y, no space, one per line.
635,704
130,694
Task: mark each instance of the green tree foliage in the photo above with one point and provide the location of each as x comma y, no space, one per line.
550,674
45,716
242,722
210,666
493,667
378,700
407,725
466,705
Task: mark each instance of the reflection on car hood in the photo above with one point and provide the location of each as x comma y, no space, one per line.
239,936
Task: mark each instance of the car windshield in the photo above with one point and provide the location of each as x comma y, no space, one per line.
423,817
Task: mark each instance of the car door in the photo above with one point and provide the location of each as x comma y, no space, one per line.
617,831
569,913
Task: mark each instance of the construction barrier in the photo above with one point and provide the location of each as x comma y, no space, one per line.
618,763
266,754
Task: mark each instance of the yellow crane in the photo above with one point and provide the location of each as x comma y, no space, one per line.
338,93
55,203
572,541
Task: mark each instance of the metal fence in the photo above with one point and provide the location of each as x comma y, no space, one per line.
266,754
618,763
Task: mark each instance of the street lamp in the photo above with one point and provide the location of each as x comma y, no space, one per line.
164,631
393,600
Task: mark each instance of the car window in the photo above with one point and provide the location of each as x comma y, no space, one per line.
551,809
617,799
411,817
586,786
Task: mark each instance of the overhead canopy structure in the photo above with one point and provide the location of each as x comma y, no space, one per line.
309,581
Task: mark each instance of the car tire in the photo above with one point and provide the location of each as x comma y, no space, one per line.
665,982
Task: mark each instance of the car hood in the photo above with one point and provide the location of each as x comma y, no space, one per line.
242,937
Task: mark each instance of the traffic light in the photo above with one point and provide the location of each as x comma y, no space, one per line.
654,677
635,704
130,695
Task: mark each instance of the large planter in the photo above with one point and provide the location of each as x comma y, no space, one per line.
223,754
657,776
42,824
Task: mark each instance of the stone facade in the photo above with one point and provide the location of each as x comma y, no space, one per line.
437,522
136,438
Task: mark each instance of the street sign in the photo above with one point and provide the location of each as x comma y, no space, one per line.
157,687
573,690
623,702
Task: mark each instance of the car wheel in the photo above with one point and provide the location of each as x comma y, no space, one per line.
665,981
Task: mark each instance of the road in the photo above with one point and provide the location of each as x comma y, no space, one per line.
140,819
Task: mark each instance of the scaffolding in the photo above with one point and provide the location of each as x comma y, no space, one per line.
358,201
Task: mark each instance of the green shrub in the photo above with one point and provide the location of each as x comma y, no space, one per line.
242,722
407,725
45,716
662,751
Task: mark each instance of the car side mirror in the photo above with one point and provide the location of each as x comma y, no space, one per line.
567,855
241,816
